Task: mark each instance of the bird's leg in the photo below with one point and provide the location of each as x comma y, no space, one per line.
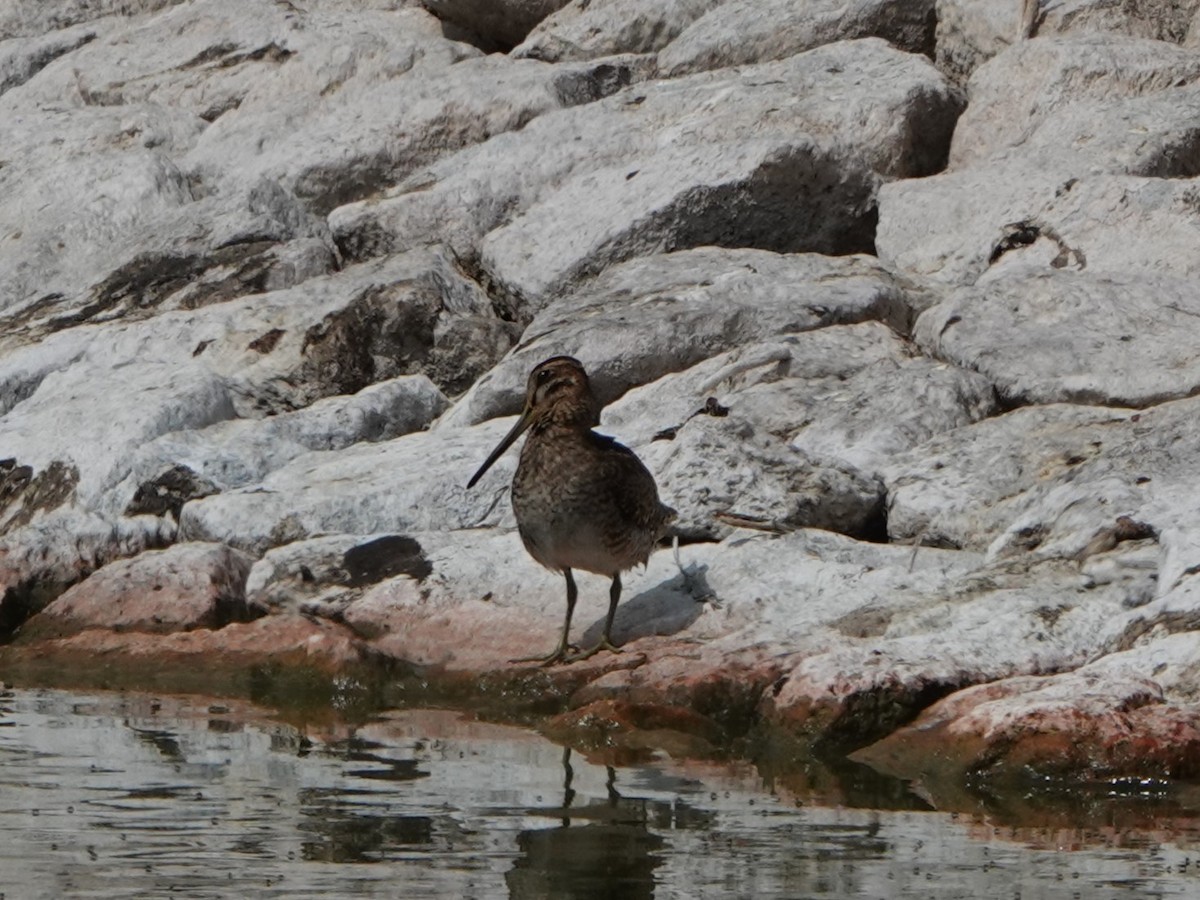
614,595
563,646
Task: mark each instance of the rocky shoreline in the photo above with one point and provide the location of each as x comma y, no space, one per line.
910,288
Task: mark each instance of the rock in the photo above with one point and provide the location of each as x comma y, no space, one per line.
1102,721
202,163
739,32
103,434
1006,619
1073,337
650,316
37,564
969,34
717,465
181,588
243,451
822,392
583,189
496,24
239,658
324,575
1058,85
20,60
1023,219
194,368
632,727
1163,22
31,18
588,29
413,483
484,600
964,487
1059,482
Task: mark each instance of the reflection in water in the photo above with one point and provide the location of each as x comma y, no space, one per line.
609,853
127,796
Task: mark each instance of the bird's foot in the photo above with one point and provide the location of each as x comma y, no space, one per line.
559,655
605,644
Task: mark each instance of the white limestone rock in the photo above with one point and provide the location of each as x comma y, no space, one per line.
857,394
786,160
413,483
964,487
31,18
653,315
239,452
1058,482
1073,337
739,32
245,358
977,224
970,33
1060,84
194,152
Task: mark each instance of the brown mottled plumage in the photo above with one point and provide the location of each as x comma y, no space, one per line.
582,500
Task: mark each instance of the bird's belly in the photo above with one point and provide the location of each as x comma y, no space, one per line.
579,546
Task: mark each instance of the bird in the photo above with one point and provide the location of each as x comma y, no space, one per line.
582,500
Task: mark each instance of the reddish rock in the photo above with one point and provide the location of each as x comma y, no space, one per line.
245,657
183,587
1077,725
632,729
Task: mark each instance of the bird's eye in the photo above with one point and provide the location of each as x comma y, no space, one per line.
543,376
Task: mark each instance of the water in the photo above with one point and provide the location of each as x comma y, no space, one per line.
120,796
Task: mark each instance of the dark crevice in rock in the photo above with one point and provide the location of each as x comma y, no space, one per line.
225,55
325,187
209,54
874,529
400,329
868,716
21,602
167,492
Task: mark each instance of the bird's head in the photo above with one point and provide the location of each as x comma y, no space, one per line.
557,393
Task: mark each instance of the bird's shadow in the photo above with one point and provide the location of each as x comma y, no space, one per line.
665,609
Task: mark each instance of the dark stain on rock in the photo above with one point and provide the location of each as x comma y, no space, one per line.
865,622
150,278
1016,235
589,85
14,478
26,494
167,492
226,55
271,52
209,54
399,329
267,342
386,557
202,346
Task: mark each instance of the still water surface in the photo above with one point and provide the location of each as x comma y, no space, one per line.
120,796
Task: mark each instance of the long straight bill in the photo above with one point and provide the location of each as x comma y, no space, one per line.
517,430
